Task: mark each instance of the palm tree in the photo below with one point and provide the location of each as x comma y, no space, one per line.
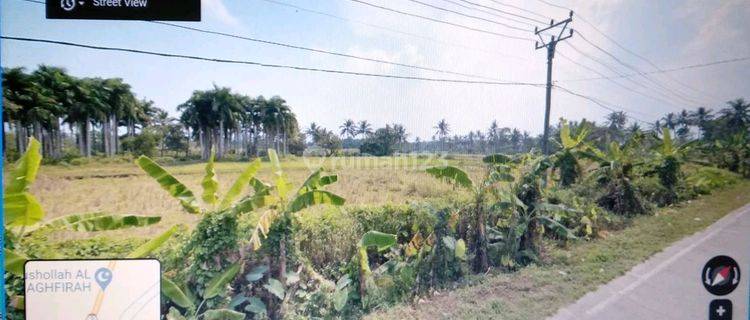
515,139
684,122
279,123
634,129
17,96
212,115
701,118
442,129
315,132
492,135
670,121
737,115
364,128
656,127
348,129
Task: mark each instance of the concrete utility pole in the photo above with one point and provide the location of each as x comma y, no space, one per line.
550,55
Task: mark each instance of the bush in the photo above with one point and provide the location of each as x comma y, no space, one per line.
706,179
142,144
328,236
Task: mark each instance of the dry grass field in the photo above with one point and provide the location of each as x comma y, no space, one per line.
124,189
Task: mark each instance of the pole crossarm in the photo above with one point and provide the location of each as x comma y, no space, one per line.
553,40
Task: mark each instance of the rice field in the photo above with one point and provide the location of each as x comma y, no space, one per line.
122,188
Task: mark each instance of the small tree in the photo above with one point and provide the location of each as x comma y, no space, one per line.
24,216
566,159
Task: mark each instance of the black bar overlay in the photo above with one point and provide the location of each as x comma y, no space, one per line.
165,10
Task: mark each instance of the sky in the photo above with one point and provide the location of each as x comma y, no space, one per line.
668,33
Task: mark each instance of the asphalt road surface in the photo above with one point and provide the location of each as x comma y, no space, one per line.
668,285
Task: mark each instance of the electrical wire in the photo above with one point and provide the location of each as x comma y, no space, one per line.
620,74
631,52
687,67
504,12
490,13
345,55
679,94
442,21
468,15
600,103
268,65
615,82
522,9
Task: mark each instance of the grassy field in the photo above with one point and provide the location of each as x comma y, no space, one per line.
123,188
538,291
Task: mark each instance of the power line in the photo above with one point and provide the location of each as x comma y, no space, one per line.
600,103
679,94
615,82
631,52
505,12
338,54
687,67
469,16
620,74
522,9
489,13
441,21
285,45
268,65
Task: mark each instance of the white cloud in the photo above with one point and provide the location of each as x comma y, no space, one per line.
218,10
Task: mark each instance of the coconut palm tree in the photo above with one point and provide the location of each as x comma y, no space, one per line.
17,96
315,132
515,139
364,128
701,118
684,121
737,114
442,129
670,121
348,129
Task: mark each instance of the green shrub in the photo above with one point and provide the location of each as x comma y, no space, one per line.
706,179
142,144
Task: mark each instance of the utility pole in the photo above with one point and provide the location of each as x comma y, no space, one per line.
551,55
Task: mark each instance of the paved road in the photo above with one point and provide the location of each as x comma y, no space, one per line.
668,285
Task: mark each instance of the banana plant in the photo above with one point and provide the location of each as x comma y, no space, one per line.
571,149
379,240
24,214
615,169
668,156
280,204
193,306
498,171
529,214
210,195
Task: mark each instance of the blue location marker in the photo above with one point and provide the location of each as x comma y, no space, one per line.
103,277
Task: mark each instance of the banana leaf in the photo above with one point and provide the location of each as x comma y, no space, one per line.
218,284
315,197
452,175
153,244
100,221
168,182
239,184
21,207
209,183
175,294
14,262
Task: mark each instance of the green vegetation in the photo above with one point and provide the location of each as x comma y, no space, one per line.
335,235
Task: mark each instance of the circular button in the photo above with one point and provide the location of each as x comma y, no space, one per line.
721,275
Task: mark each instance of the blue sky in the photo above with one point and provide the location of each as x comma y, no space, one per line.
670,33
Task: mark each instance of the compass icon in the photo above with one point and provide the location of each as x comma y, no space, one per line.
721,275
